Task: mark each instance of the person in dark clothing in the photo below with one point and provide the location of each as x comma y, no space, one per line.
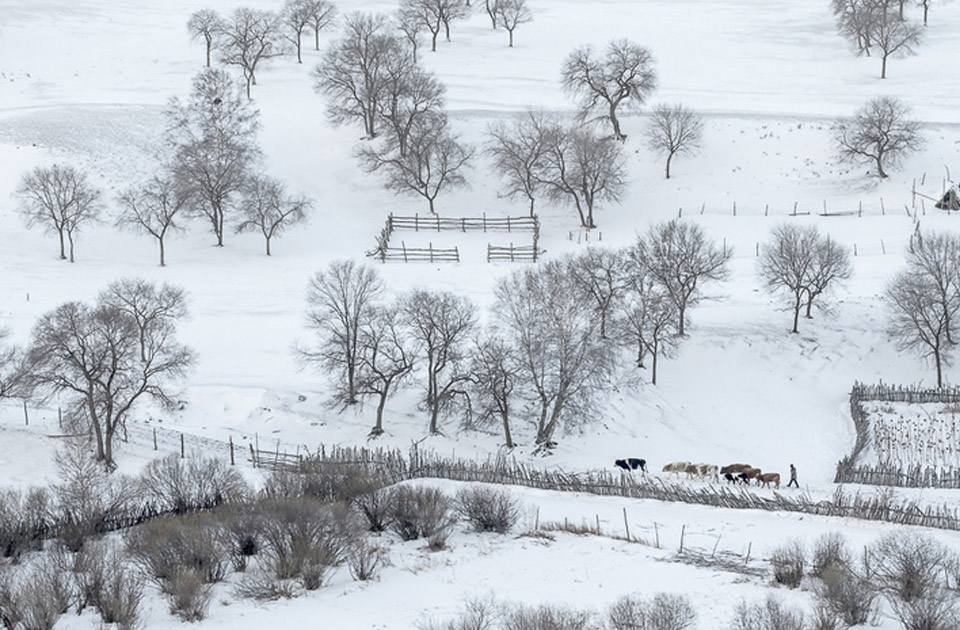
793,477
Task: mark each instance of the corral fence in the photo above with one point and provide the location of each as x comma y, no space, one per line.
848,471
392,466
435,223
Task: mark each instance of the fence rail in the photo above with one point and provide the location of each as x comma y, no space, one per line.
436,223
521,253
418,254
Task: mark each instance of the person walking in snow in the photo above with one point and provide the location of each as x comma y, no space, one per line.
793,477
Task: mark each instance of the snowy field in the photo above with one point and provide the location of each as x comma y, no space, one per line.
86,81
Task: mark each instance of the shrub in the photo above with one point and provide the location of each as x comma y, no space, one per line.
182,485
663,612
189,595
264,586
51,577
477,614
825,619
848,596
365,561
422,512
770,615
167,545
830,551
907,566
488,509
788,562
546,617
24,521
243,533
935,609
378,507
120,596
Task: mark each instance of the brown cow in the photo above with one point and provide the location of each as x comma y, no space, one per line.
749,473
692,470
676,467
767,478
734,469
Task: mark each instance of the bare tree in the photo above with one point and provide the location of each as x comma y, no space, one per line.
387,357
856,20
410,24
10,373
582,167
322,14
565,363
153,208
427,13
351,73
801,263
925,5
92,355
206,24
434,160
340,301
646,318
600,274
674,130
213,137
879,132
494,370
918,321
250,37
267,208
442,323
937,256
490,6
411,95
516,150
451,10
60,199
511,14
682,259
623,76
296,16
895,37
154,311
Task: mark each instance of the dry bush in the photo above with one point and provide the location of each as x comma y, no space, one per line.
264,586
788,562
365,561
477,614
831,551
302,537
825,619
907,566
850,597
323,480
377,507
664,612
488,509
51,575
10,607
189,595
120,597
243,533
165,546
546,617
24,521
770,615
422,512
936,609
182,485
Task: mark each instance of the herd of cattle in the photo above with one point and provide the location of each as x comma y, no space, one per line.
732,473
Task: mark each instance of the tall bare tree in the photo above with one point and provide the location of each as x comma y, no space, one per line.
442,323
351,74
411,95
856,20
410,24
895,37
427,13
831,266
681,259
323,13
623,76
296,16
61,200
516,151
565,364
880,132
674,130
153,208
213,138
936,256
92,355
918,321
154,310
600,274
340,301
511,14
646,318
494,370
581,167
206,24
452,10
266,207
387,358
434,160
250,37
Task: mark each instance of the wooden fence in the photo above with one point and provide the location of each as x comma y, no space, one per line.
916,477
418,254
436,223
521,253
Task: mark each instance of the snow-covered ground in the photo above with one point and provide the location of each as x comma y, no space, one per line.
85,82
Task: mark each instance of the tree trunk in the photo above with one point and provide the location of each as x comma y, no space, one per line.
163,262
432,211
682,309
351,386
97,431
433,43
809,306
796,314
506,428
880,170
219,226
938,361
316,38
63,250
70,239
378,427
883,67
209,48
511,38
615,121
669,157
299,58
493,16
654,352
446,27
531,206
545,435
268,245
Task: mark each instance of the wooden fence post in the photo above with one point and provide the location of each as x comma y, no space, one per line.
60,417
232,461
683,531
26,416
626,523
154,438
183,450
